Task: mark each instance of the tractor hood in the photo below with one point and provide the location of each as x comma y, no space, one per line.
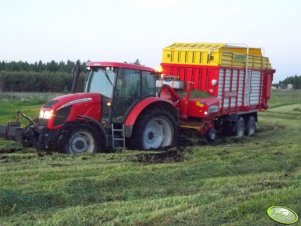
67,108
71,99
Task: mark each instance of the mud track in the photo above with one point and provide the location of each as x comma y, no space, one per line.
174,154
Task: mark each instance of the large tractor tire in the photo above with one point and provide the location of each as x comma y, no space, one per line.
156,128
83,139
251,126
239,128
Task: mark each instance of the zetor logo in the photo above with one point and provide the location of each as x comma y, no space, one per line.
282,215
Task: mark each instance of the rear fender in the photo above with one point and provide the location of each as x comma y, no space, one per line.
136,111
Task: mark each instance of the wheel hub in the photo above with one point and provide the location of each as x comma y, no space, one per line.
81,142
157,133
151,136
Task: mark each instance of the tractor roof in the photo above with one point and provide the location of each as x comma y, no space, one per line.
121,65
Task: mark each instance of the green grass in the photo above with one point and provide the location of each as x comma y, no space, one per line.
232,183
27,103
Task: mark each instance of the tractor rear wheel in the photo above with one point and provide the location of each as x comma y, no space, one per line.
156,128
82,140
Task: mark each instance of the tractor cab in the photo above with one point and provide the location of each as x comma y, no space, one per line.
121,86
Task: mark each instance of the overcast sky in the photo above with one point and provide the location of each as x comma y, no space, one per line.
124,30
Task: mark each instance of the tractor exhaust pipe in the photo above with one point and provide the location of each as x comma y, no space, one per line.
76,72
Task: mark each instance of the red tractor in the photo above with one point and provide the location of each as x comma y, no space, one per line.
118,108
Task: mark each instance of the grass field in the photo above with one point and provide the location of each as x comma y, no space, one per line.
231,183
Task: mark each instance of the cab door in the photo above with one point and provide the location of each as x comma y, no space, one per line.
127,92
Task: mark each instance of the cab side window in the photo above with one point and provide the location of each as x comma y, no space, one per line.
128,84
148,83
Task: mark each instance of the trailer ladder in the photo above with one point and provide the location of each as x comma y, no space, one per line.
118,136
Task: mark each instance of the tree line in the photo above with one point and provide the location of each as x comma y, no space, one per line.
51,66
294,80
37,77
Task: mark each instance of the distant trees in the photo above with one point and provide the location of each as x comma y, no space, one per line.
294,80
137,62
37,77
35,81
51,66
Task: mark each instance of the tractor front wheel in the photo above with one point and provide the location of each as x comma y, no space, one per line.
81,140
156,128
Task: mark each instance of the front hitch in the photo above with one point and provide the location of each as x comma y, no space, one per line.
13,130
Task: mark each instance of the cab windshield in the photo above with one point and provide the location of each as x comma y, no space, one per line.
101,80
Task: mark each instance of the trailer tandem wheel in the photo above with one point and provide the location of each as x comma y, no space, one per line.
239,128
251,126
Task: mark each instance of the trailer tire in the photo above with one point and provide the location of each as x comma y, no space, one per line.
239,128
210,135
156,128
251,126
82,139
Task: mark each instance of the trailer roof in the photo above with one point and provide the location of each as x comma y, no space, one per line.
207,46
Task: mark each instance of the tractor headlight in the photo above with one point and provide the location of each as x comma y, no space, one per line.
46,114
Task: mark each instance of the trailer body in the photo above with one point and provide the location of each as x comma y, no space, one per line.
241,81
238,76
